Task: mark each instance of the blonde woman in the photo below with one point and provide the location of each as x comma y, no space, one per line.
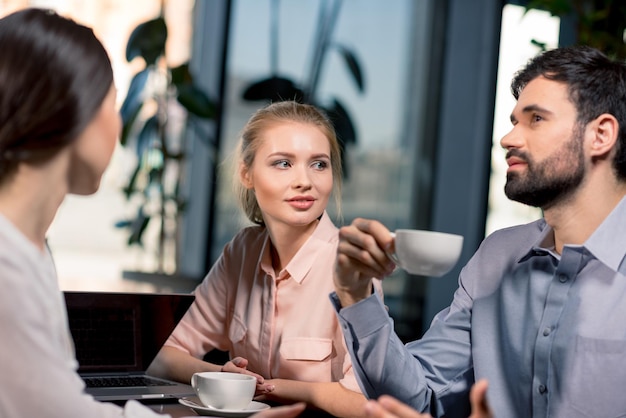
266,299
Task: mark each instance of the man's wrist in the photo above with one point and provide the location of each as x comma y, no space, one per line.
348,297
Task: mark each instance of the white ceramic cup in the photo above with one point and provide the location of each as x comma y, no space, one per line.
224,390
426,253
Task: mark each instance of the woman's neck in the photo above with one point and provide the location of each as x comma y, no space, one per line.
286,241
29,202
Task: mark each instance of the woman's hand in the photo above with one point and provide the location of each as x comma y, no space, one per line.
239,365
361,255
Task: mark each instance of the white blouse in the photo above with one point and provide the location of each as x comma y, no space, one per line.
37,362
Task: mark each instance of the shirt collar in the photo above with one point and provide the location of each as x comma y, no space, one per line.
608,241
542,245
324,234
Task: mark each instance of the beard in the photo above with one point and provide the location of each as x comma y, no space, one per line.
550,181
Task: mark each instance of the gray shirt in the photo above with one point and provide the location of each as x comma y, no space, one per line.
547,331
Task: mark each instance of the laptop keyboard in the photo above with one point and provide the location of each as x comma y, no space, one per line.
123,381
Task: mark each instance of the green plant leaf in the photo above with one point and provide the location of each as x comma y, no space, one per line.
353,65
541,45
342,122
147,41
155,176
274,89
346,133
180,75
124,223
555,7
130,187
135,94
133,103
148,132
196,101
138,227
128,125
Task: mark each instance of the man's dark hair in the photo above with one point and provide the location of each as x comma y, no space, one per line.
596,85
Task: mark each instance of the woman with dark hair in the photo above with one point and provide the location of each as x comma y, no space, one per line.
58,130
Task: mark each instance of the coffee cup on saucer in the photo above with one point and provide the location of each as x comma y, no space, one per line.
426,253
224,390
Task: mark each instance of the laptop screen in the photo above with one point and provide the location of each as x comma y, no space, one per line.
122,332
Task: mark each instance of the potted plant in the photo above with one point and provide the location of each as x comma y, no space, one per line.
597,23
277,88
155,95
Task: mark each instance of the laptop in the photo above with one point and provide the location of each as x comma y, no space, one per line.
116,337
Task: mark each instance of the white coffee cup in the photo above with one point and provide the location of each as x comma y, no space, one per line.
426,253
224,390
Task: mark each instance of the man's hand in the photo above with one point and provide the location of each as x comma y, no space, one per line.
389,407
478,399
361,256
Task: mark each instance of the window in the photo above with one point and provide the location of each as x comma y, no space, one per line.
389,40
518,29
90,254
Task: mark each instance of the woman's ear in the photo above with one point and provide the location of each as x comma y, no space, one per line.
245,177
605,129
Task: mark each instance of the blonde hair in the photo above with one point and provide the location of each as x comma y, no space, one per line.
250,141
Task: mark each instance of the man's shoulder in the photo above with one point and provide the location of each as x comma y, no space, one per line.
511,243
498,253
525,234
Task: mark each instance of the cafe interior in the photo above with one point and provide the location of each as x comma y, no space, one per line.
419,89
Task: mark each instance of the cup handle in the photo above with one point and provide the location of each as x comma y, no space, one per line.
194,381
392,255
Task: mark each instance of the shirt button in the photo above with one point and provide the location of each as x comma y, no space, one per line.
546,332
562,278
542,389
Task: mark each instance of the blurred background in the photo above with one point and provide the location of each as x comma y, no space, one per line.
418,90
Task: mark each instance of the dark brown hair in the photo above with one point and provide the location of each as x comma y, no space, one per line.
54,76
596,85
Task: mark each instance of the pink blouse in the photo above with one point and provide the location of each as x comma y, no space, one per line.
285,325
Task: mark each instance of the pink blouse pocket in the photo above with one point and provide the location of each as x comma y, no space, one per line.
306,359
311,349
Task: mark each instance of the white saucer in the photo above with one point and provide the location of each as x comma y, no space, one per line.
252,408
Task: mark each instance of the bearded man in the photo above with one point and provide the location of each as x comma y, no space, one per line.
540,311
